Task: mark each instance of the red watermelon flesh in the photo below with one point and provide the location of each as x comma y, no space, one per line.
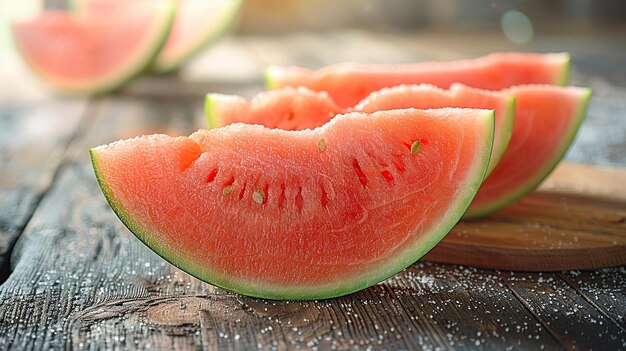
546,121
197,24
301,108
300,214
85,54
349,83
287,108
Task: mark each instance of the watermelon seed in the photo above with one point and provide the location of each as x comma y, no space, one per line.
324,199
243,190
359,172
290,115
415,147
258,196
299,198
376,158
281,197
230,181
321,145
227,189
399,166
212,175
265,192
387,175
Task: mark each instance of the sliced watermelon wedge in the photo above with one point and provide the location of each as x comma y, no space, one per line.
300,214
546,121
287,108
198,24
301,108
349,83
89,54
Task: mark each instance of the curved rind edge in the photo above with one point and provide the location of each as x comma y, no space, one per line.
210,113
135,228
409,256
123,76
268,78
227,23
534,183
565,74
509,117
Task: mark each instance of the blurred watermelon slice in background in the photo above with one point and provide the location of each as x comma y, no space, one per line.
90,53
198,23
99,45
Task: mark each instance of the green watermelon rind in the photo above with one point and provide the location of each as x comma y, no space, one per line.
134,68
509,119
410,255
268,78
226,22
563,79
533,183
210,112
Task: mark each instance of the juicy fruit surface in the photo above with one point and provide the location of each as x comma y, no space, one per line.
348,83
288,109
546,121
88,54
426,97
197,24
301,214
301,108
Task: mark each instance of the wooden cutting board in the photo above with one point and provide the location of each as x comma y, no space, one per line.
575,220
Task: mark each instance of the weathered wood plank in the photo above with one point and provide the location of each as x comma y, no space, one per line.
33,139
605,289
422,309
71,256
576,220
572,320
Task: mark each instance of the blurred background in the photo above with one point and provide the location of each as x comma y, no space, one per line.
314,33
594,31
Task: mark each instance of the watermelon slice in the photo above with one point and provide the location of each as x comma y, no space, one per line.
89,54
286,108
348,83
300,214
198,23
301,108
546,121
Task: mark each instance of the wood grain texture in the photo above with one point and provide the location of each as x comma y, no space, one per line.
574,323
72,270
605,289
576,220
33,139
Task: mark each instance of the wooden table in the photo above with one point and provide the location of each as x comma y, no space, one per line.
73,277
